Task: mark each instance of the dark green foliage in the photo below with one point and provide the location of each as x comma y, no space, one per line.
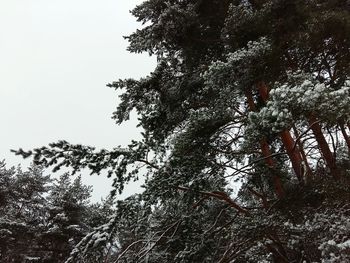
232,76
41,219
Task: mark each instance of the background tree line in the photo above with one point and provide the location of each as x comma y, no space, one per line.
41,218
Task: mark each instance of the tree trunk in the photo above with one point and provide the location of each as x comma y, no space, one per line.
345,135
293,154
271,164
265,149
287,140
303,155
323,146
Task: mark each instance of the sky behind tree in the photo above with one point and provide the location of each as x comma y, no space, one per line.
56,57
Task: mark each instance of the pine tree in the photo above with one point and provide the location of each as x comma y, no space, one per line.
22,212
254,91
65,226
42,220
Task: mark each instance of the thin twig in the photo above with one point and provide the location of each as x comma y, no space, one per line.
216,221
160,238
126,250
303,133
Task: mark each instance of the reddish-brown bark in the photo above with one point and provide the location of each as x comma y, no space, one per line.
308,172
271,164
287,139
265,149
323,146
263,91
322,143
221,196
293,153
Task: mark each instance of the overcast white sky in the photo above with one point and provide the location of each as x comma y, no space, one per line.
55,58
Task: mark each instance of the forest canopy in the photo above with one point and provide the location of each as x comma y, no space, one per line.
254,93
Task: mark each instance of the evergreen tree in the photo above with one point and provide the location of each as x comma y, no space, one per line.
41,219
252,91
67,212
22,212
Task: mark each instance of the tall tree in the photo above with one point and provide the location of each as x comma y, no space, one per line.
247,90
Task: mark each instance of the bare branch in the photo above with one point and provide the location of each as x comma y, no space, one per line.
219,195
